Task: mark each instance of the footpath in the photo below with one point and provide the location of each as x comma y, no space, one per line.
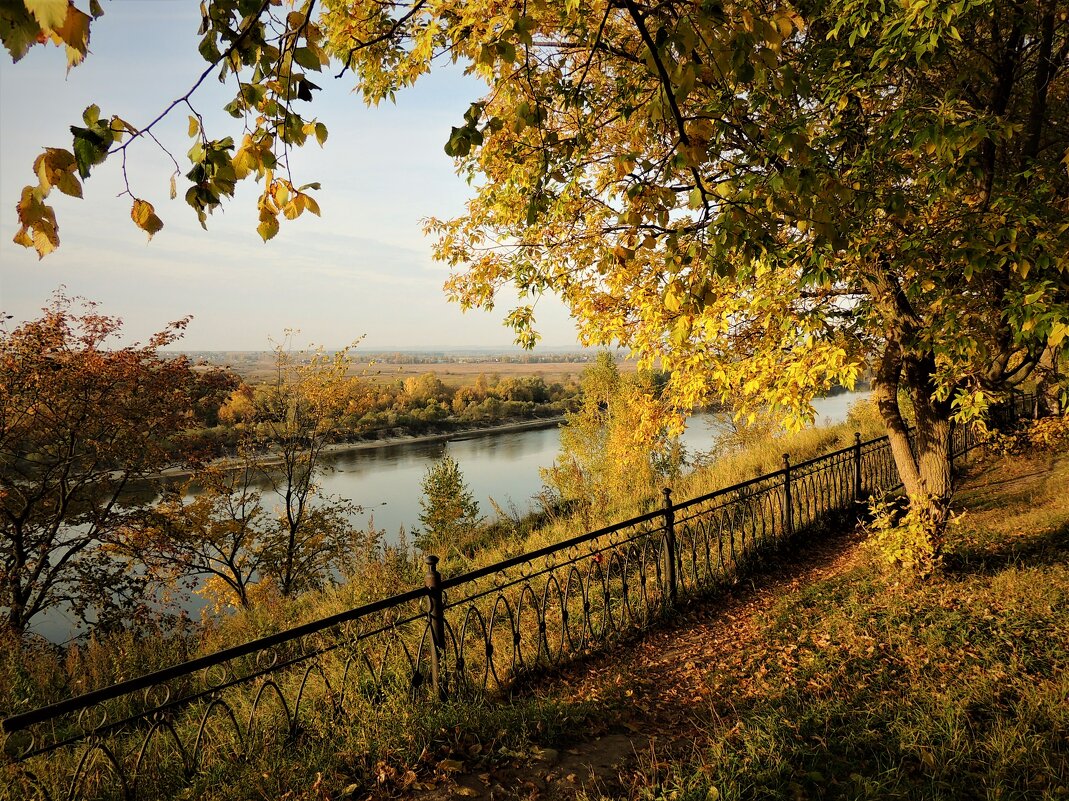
653,692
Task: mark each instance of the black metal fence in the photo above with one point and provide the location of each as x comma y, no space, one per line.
460,636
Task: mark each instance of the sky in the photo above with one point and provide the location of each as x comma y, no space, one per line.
364,269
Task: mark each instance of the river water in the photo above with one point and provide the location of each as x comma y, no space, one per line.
503,466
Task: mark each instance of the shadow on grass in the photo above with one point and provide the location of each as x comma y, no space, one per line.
1047,548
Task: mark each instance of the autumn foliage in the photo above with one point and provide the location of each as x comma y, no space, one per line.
81,420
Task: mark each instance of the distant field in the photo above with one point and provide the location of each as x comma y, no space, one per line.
465,374
257,370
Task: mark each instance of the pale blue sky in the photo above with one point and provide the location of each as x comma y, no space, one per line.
364,268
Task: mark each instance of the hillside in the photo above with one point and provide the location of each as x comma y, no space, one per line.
828,679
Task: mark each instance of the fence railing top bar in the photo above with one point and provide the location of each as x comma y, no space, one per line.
85,700
827,457
481,572
725,490
541,571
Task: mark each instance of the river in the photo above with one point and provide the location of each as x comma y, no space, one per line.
503,466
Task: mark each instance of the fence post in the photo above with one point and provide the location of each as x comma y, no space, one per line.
857,466
788,507
436,622
670,545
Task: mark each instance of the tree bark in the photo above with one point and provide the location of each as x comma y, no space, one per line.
922,455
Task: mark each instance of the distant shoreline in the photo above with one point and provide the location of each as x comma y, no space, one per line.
389,442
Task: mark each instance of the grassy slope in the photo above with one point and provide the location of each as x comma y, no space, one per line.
824,678
827,679
860,685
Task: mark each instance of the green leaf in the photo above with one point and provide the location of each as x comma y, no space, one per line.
208,49
307,58
18,29
89,149
321,133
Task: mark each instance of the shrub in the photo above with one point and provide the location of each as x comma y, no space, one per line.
903,536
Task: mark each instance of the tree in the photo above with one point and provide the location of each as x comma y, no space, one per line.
447,508
295,414
79,424
762,197
611,445
260,522
211,526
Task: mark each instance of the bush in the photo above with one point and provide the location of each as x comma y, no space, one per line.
903,537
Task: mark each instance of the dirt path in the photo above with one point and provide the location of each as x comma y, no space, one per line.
653,691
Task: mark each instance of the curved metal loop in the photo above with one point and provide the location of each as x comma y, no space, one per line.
156,696
266,658
202,729
552,622
214,676
16,745
474,651
504,640
92,718
81,772
528,607
278,695
154,758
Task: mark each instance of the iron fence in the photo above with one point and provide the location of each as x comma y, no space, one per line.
461,636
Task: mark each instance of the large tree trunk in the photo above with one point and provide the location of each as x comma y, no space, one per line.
922,454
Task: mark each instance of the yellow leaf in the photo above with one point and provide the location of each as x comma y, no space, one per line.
22,237
267,228
194,125
43,176
74,32
45,240
144,216
118,124
49,14
68,184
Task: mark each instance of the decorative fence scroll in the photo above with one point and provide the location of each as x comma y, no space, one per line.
464,636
